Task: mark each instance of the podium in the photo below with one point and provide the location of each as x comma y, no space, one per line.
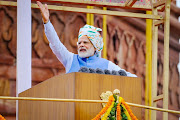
77,86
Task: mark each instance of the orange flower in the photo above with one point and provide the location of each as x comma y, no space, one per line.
111,99
129,110
118,112
2,118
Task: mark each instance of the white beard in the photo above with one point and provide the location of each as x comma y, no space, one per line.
89,52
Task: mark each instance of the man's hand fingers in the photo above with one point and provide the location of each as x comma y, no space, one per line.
46,7
40,5
44,11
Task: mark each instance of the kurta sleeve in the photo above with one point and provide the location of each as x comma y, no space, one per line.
61,52
112,66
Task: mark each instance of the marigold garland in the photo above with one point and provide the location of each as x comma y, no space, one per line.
118,107
2,118
133,117
118,112
126,113
120,99
108,112
111,99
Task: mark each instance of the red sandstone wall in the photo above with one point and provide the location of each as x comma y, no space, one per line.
125,43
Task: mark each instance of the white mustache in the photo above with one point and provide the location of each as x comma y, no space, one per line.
82,48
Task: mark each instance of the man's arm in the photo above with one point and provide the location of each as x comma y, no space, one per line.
112,66
61,52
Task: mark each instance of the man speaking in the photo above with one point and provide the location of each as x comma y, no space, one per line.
90,45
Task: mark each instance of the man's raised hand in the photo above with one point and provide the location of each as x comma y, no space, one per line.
44,11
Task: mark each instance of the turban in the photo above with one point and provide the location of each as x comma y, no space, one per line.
94,36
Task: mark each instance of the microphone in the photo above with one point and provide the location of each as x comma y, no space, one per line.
107,72
114,72
84,69
91,70
99,71
122,73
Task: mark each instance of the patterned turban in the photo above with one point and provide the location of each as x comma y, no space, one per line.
94,36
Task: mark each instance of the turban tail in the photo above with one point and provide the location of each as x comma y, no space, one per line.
94,36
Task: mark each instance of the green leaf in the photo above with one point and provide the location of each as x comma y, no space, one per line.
115,104
113,118
109,115
110,118
113,109
122,109
112,113
115,97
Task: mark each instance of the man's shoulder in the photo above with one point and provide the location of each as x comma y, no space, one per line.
103,59
113,66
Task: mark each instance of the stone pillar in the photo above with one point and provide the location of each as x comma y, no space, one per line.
23,78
